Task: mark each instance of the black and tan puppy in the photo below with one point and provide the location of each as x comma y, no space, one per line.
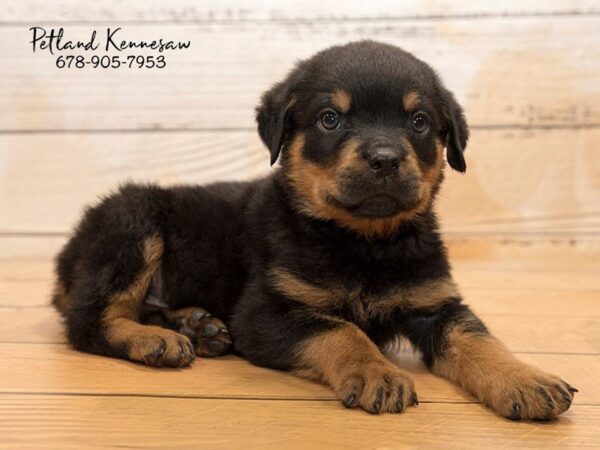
314,268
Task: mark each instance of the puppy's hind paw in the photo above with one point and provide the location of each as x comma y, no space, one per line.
209,335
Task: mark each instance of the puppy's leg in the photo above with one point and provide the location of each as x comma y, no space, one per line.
347,360
208,334
456,345
102,302
153,345
323,349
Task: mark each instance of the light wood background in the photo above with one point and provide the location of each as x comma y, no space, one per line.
526,72
523,224
539,297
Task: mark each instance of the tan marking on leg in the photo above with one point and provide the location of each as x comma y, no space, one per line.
150,344
348,361
127,303
333,352
481,365
342,100
411,100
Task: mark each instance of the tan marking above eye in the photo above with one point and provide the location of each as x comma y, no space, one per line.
411,100
342,100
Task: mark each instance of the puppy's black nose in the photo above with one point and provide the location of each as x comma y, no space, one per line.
384,162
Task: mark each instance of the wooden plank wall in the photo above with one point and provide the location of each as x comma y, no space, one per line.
527,73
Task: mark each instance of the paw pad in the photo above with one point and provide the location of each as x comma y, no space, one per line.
208,334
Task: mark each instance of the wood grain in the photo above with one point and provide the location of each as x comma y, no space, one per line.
517,182
216,83
563,334
496,276
486,253
57,369
523,226
538,296
73,421
483,289
115,11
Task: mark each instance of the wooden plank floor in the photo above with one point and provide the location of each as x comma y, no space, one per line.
541,298
526,73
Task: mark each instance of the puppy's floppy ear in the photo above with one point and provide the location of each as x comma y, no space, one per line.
273,116
457,132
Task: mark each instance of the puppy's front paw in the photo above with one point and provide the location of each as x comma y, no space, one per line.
530,394
377,387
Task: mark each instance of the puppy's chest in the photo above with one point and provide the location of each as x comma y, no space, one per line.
354,300
364,300
360,305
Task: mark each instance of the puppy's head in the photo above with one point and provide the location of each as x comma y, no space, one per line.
361,130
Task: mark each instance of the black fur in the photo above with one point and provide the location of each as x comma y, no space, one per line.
457,133
426,329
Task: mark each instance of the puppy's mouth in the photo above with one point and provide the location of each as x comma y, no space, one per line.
367,198
378,206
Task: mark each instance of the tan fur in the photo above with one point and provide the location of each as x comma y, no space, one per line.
314,184
481,365
60,298
411,100
411,163
121,317
348,361
141,341
127,303
349,158
432,175
331,354
305,292
421,296
342,101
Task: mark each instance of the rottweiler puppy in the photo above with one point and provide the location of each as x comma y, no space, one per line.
314,268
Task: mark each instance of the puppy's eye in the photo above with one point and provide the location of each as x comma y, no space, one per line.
329,120
420,123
